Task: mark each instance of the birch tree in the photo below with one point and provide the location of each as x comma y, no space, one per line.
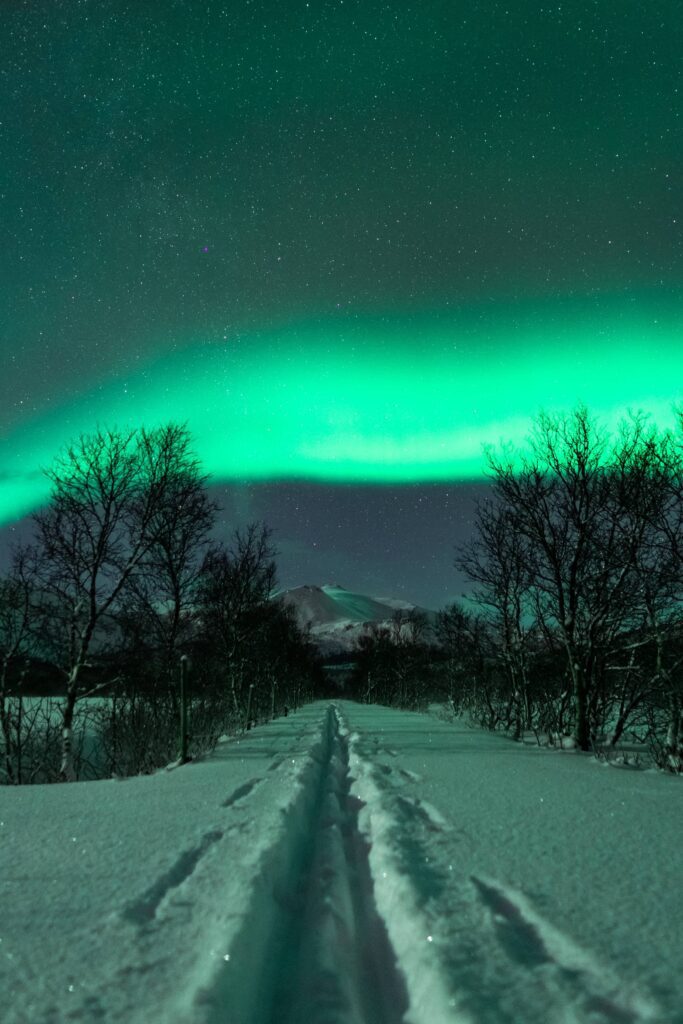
236,584
565,499
161,617
111,495
17,617
498,560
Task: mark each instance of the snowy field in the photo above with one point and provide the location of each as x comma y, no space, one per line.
347,864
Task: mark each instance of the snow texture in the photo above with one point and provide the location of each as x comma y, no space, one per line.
347,865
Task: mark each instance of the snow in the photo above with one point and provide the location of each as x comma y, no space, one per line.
338,617
347,864
331,604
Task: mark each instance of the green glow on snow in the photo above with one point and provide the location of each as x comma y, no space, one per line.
377,400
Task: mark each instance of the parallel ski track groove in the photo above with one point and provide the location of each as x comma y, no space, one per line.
323,948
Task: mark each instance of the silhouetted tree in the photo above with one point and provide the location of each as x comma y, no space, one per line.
561,502
113,495
579,550
18,622
234,592
498,560
393,664
161,597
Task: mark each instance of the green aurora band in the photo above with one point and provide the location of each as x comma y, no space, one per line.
377,399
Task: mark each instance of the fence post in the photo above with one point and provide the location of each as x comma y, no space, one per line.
183,710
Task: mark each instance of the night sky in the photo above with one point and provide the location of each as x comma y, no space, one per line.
347,242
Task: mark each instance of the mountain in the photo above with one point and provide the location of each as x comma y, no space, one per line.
336,617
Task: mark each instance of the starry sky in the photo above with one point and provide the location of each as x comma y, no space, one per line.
348,242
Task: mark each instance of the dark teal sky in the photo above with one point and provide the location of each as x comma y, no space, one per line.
180,176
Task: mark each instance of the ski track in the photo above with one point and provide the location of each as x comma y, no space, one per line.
323,947
496,960
338,918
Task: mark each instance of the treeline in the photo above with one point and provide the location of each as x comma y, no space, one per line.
575,624
573,629
121,580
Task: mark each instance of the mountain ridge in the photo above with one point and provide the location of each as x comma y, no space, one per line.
336,617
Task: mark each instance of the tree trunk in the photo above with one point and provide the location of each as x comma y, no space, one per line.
6,725
5,721
618,730
674,734
579,699
233,691
581,704
67,772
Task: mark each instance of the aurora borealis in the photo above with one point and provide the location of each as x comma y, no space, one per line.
348,242
375,402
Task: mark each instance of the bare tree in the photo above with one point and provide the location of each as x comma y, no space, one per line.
408,632
16,621
160,614
470,649
373,675
392,660
655,662
236,584
566,499
110,501
497,559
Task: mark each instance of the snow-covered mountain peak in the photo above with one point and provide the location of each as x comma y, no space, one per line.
335,616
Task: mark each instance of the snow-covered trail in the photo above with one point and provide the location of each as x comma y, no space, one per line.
473,946
313,946
347,865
